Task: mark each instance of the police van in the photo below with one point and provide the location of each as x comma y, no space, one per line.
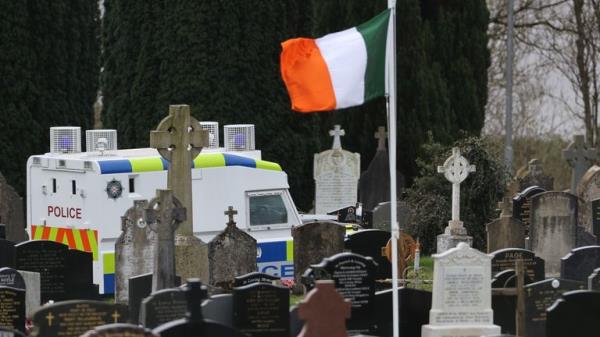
77,198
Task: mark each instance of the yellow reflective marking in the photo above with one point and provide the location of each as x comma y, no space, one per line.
146,164
209,160
93,243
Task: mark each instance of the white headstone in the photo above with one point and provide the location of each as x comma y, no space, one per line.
336,174
462,295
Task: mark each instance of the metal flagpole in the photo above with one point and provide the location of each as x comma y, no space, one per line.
391,104
508,150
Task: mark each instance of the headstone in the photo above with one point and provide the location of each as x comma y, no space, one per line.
382,212
219,308
595,215
354,279
11,278
336,174
535,177
456,169
369,243
374,184
79,277
12,308
313,242
7,254
179,139
413,311
588,190
506,231
324,312
262,310
32,291
553,231
461,295
4,332
589,185
594,280
119,330
522,205
296,324
48,258
140,287
134,249
254,277
504,307
539,296
231,253
346,214
576,313
580,157
162,306
12,213
74,318
580,263
504,259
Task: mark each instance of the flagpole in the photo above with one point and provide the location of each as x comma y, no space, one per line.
391,103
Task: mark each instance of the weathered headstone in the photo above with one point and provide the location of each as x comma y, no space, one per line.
231,253
580,157
12,308
324,312
594,280
369,243
382,212
254,277
179,139
12,213
461,295
553,231
8,254
504,259
576,313
580,263
506,231
262,310
522,205
313,242
535,177
134,249
456,169
589,185
163,306
336,174
413,311
74,318
539,296
119,330
48,258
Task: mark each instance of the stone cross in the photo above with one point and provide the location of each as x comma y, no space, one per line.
580,157
179,139
506,207
230,212
325,312
381,135
164,214
336,133
456,169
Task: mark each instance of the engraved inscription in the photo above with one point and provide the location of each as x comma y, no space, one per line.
463,288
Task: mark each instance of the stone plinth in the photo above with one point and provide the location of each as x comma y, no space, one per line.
454,234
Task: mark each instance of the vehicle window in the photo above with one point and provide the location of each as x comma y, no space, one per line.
267,210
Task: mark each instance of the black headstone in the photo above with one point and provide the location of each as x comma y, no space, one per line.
576,313
254,277
2,231
594,280
12,333
504,307
539,296
219,308
296,323
11,278
163,306
119,330
504,279
522,204
80,276
262,310
505,259
369,243
580,263
7,253
140,287
74,318
413,311
12,308
596,218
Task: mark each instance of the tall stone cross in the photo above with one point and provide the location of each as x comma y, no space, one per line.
230,212
456,169
164,214
506,207
381,135
179,139
580,157
336,133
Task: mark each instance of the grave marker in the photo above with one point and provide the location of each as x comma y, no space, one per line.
163,306
8,254
580,157
262,310
580,263
324,312
382,212
254,277
369,243
119,330
140,287
11,278
413,311
506,231
10,333
505,259
219,308
576,313
522,205
535,177
12,308
48,258
594,280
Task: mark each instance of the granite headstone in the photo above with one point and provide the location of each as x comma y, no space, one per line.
522,205
506,231
413,311
369,243
12,308
119,330
162,306
576,313
262,310
7,254
254,277
580,263
505,259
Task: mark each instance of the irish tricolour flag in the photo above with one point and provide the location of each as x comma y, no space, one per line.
338,70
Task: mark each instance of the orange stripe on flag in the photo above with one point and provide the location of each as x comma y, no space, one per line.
46,233
70,238
306,76
84,238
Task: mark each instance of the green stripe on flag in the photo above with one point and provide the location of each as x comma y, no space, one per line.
374,32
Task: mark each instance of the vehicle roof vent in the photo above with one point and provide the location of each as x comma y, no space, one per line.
100,140
213,133
239,137
65,139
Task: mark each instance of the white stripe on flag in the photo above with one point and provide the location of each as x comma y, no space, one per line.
345,54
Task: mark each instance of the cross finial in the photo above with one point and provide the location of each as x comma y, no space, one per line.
505,207
230,212
336,133
381,135
456,169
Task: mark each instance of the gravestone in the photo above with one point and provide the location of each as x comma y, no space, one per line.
576,313
553,231
25,280
535,177
324,312
48,258
456,169
579,157
580,263
134,249
522,205
413,311
74,318
119,330
11,278
231,253
594,280
313,242
504,307
12,213
10,333
369,243
179,139
346,215
539,296
219,308
504,259
262,310
354,279
140,287
374,183
462,295
594,206
336,174
12,308
8,254
506,231
382,212
589,185
162,306
79,277
254,277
